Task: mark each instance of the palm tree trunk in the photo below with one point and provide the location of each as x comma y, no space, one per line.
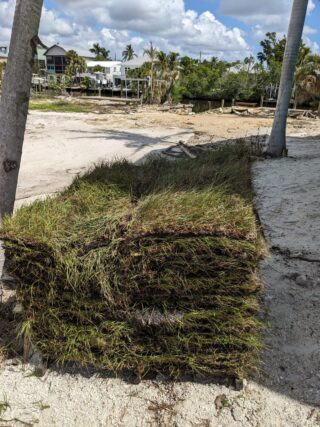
277,140
15,97
295,105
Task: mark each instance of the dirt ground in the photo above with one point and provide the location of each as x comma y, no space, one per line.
286,392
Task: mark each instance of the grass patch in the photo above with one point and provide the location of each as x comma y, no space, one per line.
61,106
150,268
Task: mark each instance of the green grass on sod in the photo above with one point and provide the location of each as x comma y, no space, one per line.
149,268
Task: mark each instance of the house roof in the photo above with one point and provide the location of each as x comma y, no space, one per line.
136,62
55,50
88,58
104,64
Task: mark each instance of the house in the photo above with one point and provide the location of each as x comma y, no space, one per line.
56,60
110,69
3,54
40,59
133,64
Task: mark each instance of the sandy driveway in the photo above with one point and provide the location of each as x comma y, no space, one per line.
286,394
59,146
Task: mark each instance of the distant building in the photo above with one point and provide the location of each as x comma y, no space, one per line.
110,69
3,54
56,60
88,58
40,59
133,64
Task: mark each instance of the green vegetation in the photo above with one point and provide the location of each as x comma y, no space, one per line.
249,79
173,77
128,54
101,53
148,268
76,64
61,106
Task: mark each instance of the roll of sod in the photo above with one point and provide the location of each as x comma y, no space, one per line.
149,268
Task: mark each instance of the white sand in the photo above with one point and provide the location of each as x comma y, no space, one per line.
58,146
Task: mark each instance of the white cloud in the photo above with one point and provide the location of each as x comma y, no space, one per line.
115,23
263,16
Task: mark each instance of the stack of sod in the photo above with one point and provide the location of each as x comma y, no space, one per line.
148,268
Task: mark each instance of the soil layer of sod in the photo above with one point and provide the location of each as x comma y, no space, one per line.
149,268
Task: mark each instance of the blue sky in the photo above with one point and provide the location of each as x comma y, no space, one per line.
225,28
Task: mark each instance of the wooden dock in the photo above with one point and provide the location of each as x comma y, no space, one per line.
111,98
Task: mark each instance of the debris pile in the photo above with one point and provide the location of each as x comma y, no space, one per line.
200,144
263,112
177,108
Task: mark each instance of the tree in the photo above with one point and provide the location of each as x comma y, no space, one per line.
151,52
167,66
277,140
162,61
199,80
273,53
307,79
76,64
173,58
272,49
101,53
128,54
15,97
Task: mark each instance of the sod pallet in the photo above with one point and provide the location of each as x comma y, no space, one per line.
149,268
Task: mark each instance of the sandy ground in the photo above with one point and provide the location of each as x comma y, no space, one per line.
59,146
286,393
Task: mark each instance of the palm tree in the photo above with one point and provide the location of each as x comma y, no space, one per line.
277,140
101,53
174,72
173,60
167,65
105,54
307,79
15,97
162,60
95,49
76,64
151,52
303,65
128,53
